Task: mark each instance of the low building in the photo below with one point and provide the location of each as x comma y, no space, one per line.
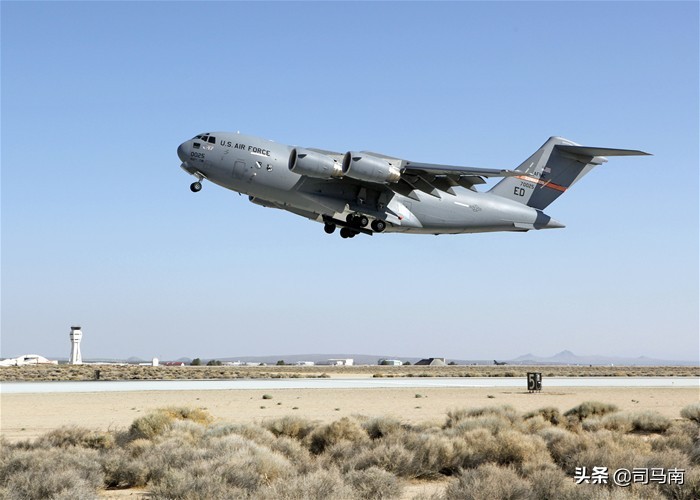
432,362
341,362
304,363
27,359
390,362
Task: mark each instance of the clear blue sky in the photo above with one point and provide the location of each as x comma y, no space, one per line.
99,227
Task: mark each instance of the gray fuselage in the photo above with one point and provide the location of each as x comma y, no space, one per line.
260,169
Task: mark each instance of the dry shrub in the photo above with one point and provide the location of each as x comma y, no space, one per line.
194,483
254,468
507,412
318,485
650,421
171,454
679,436
159,422
250,432
549,413
374,483
492,423
333,433
436,455
64,437
138,447
381,426
590,409
694,453
611,450
689,490
534,424
550,483
342,455
122,470
239,464
692,412
516,449
293,427
50,473
564,445
196,415
488,482
388,456
295,453
647,421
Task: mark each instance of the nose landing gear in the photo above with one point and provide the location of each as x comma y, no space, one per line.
196,186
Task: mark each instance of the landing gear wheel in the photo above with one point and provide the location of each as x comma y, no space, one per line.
196,187
378,225
329,228
363,220
346,232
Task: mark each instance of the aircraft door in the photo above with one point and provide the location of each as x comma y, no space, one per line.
239,169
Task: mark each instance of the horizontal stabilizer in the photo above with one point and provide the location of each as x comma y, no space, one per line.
588,151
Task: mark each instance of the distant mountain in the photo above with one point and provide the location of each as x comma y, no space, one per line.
569,358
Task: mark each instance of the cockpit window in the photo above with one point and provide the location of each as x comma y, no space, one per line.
206,138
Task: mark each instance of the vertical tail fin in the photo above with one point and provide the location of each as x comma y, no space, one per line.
553,169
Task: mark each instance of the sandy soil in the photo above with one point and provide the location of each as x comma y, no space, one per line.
25,416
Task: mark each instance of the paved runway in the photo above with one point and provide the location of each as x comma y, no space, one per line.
338,383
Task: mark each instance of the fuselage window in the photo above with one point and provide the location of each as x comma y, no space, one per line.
212,140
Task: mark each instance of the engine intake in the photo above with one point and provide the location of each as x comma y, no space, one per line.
312,164
365,167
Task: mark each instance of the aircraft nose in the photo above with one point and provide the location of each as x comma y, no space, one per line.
182,152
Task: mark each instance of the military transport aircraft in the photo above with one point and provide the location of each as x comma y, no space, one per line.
364,192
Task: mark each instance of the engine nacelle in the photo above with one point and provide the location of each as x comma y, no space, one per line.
313,164
369,168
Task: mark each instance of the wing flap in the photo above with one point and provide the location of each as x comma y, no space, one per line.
436,169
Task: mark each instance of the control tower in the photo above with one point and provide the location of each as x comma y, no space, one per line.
76,335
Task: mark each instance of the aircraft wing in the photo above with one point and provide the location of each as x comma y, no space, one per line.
434,179
435,169
430,178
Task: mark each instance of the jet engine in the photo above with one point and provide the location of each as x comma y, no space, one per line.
305,162
369,168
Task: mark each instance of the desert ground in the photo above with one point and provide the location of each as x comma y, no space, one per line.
26,416
33,417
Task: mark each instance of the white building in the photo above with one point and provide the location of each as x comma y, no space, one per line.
390,362
341,362
27,359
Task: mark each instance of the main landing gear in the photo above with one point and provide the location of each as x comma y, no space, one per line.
378,225
359,220
346,232
356,224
